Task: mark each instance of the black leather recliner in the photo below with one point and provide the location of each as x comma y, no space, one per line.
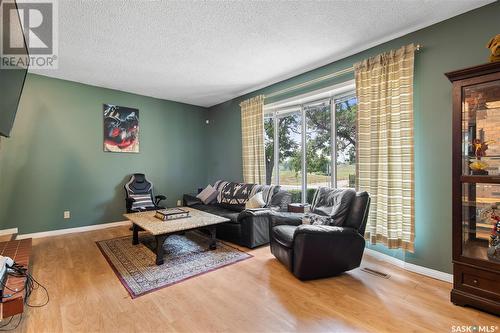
139,195
318,251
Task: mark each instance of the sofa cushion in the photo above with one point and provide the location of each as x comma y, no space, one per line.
283,234
217,210
334,203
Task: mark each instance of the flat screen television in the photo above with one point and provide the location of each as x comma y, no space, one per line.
11,80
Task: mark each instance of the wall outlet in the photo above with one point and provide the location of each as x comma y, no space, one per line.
179,203
67,214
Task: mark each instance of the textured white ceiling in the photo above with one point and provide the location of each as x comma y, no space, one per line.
207,52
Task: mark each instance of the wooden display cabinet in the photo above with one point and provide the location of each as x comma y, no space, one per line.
476,186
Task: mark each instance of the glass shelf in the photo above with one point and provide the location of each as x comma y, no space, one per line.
480,202
480,179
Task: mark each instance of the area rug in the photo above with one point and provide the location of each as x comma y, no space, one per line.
186,256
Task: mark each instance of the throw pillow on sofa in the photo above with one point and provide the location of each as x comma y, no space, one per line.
208,195
255,202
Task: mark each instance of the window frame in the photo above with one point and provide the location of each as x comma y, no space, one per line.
275,111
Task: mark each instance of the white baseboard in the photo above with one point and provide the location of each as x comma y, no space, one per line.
8,231
73,230
435,274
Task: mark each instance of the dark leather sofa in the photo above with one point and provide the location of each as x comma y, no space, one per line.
318,251
248,227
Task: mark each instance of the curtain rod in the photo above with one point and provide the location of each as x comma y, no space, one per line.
341,72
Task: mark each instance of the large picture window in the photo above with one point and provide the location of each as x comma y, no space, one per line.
312,144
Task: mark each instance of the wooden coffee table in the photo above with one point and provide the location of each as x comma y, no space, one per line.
162,229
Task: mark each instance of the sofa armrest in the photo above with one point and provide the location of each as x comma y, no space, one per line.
190,200
253,212
254,226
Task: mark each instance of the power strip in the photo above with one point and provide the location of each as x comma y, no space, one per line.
3,273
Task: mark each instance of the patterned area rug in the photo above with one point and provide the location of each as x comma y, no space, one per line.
186,256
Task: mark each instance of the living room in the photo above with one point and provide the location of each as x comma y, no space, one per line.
250,166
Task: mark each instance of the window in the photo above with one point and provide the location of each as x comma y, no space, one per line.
345,123
269,148
300,138
290,151
319,146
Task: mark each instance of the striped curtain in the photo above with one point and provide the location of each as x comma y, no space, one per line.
252,136
384,87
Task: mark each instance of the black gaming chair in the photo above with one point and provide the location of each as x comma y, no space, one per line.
139,195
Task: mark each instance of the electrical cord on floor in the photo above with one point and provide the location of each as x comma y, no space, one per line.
2,328
30,285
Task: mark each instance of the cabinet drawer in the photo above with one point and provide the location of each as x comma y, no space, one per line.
479,281
475,281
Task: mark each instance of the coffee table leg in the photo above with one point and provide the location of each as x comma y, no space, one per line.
135,234
160,239
213,240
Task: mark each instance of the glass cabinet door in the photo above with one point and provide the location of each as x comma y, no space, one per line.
481,129
481,171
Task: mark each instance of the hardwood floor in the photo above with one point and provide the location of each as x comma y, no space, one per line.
255,295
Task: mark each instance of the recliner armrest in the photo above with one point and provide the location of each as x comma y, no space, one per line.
282,218
326,230
341,236
190,200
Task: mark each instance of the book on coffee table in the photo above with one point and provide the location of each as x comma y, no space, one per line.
171,214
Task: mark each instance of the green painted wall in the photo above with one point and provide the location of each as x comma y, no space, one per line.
54,159
456,43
